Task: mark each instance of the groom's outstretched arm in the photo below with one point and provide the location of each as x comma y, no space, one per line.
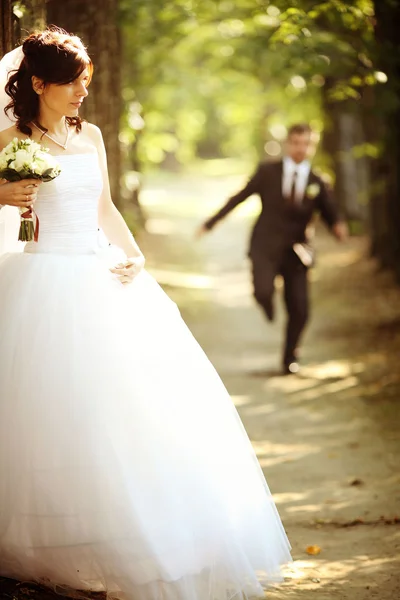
252,187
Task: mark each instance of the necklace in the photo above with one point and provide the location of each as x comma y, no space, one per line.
52,139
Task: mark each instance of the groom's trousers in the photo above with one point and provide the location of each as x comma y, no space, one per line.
294,275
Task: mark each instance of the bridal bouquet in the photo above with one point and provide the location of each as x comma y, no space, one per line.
26,159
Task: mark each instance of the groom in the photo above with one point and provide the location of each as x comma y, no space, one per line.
290,194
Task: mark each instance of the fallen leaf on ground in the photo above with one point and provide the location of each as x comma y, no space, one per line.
357,482
353,445
313,550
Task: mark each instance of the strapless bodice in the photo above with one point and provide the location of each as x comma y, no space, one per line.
67,207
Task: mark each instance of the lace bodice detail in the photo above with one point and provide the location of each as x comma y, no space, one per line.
67,207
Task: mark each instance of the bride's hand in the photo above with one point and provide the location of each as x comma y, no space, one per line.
128,270
19,193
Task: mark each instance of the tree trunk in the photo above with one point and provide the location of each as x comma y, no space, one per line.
343,132
6,26
30,16
385,206
97,24
131,158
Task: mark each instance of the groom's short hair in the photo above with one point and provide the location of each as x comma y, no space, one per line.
299,129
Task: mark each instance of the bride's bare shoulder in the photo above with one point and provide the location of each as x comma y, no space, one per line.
7,135
92,131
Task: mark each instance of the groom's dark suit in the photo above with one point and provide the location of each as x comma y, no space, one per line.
281,224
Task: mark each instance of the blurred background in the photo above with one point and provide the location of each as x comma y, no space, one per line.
190,95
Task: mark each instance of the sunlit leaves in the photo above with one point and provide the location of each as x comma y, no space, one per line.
231,28
239,63
343,91
366,149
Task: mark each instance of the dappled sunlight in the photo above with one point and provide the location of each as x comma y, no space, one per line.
310,389
290,384
315,572
345,579
286,497
299,569
327,389
342,569
309,506
260,409
313,509
332,369
326,378
241,400
273,454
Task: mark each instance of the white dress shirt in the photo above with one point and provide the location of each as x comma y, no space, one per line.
302,170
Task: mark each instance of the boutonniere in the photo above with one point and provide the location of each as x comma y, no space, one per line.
313,190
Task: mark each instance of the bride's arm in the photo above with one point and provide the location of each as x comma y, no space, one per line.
111,221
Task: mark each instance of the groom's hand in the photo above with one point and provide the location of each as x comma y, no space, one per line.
340,231
127,271
19,193
201,231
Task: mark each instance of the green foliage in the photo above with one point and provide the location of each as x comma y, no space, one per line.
220,78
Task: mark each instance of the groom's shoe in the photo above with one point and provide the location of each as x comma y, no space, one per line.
290,365
290,362
291,368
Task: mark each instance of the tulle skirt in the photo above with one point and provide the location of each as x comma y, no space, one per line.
123,463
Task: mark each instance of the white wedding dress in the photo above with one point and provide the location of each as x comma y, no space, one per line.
123,463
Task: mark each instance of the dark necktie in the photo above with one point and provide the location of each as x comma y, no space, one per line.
292,197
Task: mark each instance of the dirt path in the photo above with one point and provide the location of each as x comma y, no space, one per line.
329,439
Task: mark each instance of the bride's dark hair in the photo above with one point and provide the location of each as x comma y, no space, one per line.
54,56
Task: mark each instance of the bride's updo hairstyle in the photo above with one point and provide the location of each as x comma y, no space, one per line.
53,56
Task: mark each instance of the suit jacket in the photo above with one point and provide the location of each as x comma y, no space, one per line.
280,224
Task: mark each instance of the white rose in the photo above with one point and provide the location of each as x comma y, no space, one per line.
51,162
10,148
44,157
22,158
3,160
32,147
38,165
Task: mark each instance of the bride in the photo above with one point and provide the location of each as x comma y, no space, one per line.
124,466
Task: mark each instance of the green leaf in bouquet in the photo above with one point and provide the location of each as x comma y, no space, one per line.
10,175
48,175
27,174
